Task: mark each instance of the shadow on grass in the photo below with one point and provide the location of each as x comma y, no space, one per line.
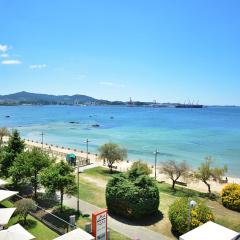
175,233
65,215
47,200
102,171
30,223
185,192
144,221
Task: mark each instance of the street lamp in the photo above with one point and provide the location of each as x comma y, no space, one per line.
156,153
192,204
78,210
42,138
87,141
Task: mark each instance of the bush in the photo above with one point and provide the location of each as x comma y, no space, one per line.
132,198
178,215
231,196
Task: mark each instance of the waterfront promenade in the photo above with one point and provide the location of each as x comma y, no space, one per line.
59,152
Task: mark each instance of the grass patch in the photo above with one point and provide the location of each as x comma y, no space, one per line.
100,173
35,227
225,216
184,192
89,192
117,236
164,226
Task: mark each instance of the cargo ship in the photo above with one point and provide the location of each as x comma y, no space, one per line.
188,105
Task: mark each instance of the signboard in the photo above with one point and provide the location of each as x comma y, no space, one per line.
99,224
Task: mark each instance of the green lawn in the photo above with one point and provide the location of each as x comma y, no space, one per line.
100,173
35,227
89,192
96,195
117,236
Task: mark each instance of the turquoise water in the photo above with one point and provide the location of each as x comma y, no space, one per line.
181,134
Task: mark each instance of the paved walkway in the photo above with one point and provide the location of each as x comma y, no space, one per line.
130,231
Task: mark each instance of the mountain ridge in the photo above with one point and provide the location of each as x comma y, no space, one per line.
40,98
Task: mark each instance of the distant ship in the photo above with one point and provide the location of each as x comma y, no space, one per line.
189,105
130,103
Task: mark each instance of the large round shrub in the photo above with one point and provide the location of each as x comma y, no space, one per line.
178,215
132,198
231,196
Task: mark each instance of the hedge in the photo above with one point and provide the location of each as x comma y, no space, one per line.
178,215
231,196
132,198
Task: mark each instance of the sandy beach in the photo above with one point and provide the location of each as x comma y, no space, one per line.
60,152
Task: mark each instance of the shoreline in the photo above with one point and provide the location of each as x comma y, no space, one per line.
59,152
123,166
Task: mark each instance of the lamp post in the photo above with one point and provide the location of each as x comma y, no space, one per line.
78,210
87,141
156,153
191,205
42,138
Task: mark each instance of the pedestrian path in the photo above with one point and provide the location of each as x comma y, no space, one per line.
131,231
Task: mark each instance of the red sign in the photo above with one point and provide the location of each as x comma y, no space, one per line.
99,224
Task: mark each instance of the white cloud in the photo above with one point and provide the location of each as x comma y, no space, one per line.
112,84
37,66
11,62
3,48
4,55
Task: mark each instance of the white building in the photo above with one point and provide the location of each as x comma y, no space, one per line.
210,231
77,234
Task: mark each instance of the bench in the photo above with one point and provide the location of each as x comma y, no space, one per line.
114,167
181,183
223,181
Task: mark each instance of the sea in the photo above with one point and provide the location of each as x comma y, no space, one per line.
178,133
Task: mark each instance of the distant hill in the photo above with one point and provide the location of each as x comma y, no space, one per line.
21,98
36,98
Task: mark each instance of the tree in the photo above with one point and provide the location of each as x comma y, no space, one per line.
112,153
15,146
2,158
133,198
178,215
139,168
205,172
28,165
3,132
19,171
59,177
174,170
24,206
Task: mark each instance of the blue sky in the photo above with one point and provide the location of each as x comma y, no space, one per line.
163,50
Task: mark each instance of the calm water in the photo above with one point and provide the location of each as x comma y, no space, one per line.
182,134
